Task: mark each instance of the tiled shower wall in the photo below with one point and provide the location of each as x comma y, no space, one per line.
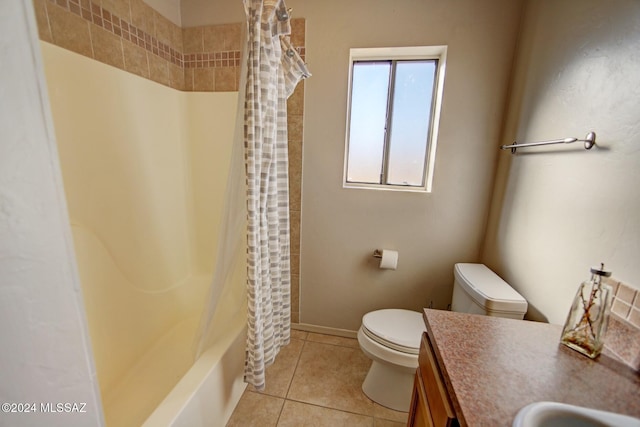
132,36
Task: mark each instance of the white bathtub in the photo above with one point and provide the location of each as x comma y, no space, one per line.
158,380
208,393
145,170
205,395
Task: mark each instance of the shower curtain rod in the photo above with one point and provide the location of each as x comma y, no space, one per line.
589,141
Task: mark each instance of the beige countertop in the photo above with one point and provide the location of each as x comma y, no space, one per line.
492,367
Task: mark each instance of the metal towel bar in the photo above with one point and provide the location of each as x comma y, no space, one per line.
589,141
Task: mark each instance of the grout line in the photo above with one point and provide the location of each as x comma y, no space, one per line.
313,404
93,50
335,409
295,369
357,347
286,394
280,413
46,14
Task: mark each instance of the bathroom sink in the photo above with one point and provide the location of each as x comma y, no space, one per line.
553,414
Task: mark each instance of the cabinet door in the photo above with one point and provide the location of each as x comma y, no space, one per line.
419,415
437,397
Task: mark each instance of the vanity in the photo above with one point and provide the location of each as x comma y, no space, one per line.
478,370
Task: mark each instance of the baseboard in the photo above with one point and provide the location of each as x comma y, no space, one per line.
324,330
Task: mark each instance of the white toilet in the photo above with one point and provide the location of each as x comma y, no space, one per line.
391,337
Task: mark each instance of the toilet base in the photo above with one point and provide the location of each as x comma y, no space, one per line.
389,386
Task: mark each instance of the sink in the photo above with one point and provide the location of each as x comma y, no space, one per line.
553,414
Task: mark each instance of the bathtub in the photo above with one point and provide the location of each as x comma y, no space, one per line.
145,170
208,393
158,383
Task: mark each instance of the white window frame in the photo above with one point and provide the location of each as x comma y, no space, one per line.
401,53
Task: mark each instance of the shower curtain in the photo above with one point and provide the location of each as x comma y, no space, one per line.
271,69
274,69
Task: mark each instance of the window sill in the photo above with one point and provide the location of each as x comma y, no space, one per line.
380,187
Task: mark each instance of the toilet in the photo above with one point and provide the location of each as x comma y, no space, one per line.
391,337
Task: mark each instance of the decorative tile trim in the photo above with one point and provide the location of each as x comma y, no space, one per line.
212,59
122,28
132,36
219,59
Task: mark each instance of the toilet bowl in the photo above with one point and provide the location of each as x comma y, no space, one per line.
391,337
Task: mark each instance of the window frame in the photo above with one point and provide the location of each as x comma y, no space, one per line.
392,54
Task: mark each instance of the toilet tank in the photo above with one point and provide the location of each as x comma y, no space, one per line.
478,290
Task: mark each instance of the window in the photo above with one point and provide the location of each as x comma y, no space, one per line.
392,120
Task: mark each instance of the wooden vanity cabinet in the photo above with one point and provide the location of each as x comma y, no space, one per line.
430,403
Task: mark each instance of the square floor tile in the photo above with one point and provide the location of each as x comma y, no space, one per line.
278,376
320,378
332,376
381,412
256,410
332,339
296,414
299,335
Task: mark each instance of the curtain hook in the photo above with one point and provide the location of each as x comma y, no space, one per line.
283,14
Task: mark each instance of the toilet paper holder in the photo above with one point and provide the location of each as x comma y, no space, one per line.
388,258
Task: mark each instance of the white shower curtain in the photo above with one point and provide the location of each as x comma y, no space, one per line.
273,70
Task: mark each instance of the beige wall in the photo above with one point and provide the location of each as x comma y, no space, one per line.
195,13
340,227
573,79
556,212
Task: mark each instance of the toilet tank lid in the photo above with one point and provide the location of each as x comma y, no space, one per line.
488,289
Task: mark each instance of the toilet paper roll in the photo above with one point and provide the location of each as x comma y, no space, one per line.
389,259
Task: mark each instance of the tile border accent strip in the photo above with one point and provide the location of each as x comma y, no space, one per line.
122,28
219,59
168,42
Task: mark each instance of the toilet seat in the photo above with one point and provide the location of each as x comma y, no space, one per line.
398,329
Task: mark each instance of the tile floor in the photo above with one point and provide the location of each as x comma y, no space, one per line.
315,381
